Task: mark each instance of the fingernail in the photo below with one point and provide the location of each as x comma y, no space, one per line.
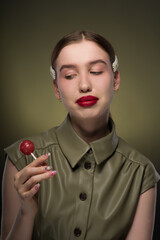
46,155
37,186
48,168
53,173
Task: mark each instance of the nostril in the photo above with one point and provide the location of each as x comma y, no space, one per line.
84,90
85,87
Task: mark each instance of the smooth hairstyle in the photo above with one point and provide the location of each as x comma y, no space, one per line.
78,36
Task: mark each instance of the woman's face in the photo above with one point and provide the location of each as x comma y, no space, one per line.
85,80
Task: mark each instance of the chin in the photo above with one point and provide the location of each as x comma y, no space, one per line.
88,116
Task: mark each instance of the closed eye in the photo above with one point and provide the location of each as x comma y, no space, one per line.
69,77
96,73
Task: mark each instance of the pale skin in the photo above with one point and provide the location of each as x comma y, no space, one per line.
19,201
82,69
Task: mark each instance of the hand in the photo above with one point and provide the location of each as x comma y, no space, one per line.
27,181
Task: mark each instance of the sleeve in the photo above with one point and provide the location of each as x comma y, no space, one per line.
16,157
150,177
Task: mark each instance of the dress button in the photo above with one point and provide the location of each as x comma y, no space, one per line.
83,196
87,165
90,150
77,232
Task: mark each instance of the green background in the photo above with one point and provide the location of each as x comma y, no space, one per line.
29,30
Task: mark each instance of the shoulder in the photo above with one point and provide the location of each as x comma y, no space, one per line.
131,153
142,163
42,142
45,139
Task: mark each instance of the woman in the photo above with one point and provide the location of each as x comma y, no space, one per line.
103,189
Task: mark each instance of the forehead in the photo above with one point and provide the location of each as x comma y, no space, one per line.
81,52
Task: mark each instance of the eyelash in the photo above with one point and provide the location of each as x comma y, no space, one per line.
96,73
70,77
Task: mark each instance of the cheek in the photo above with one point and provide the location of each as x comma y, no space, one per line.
65,89
106,86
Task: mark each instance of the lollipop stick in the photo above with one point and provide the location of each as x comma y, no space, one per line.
33,156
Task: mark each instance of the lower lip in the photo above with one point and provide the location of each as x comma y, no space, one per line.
87,103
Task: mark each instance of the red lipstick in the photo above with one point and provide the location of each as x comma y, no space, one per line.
87,101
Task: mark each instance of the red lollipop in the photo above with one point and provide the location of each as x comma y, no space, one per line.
27,148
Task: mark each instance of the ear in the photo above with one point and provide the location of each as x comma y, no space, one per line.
56,90
116,80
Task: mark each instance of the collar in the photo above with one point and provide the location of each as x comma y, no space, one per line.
74,147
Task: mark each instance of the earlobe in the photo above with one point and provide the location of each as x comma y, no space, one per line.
56,90
116,81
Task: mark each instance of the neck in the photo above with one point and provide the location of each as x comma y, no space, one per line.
91,129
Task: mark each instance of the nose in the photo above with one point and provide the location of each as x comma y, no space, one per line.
85,84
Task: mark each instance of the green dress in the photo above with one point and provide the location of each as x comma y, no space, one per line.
95,192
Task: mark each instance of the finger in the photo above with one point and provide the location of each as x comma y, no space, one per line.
40,160
30,194
25,173
37,179
28,172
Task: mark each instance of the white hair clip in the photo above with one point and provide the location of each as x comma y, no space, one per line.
53,73
115,64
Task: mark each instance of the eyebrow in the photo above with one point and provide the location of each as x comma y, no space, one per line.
98,61
67,66
90,63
